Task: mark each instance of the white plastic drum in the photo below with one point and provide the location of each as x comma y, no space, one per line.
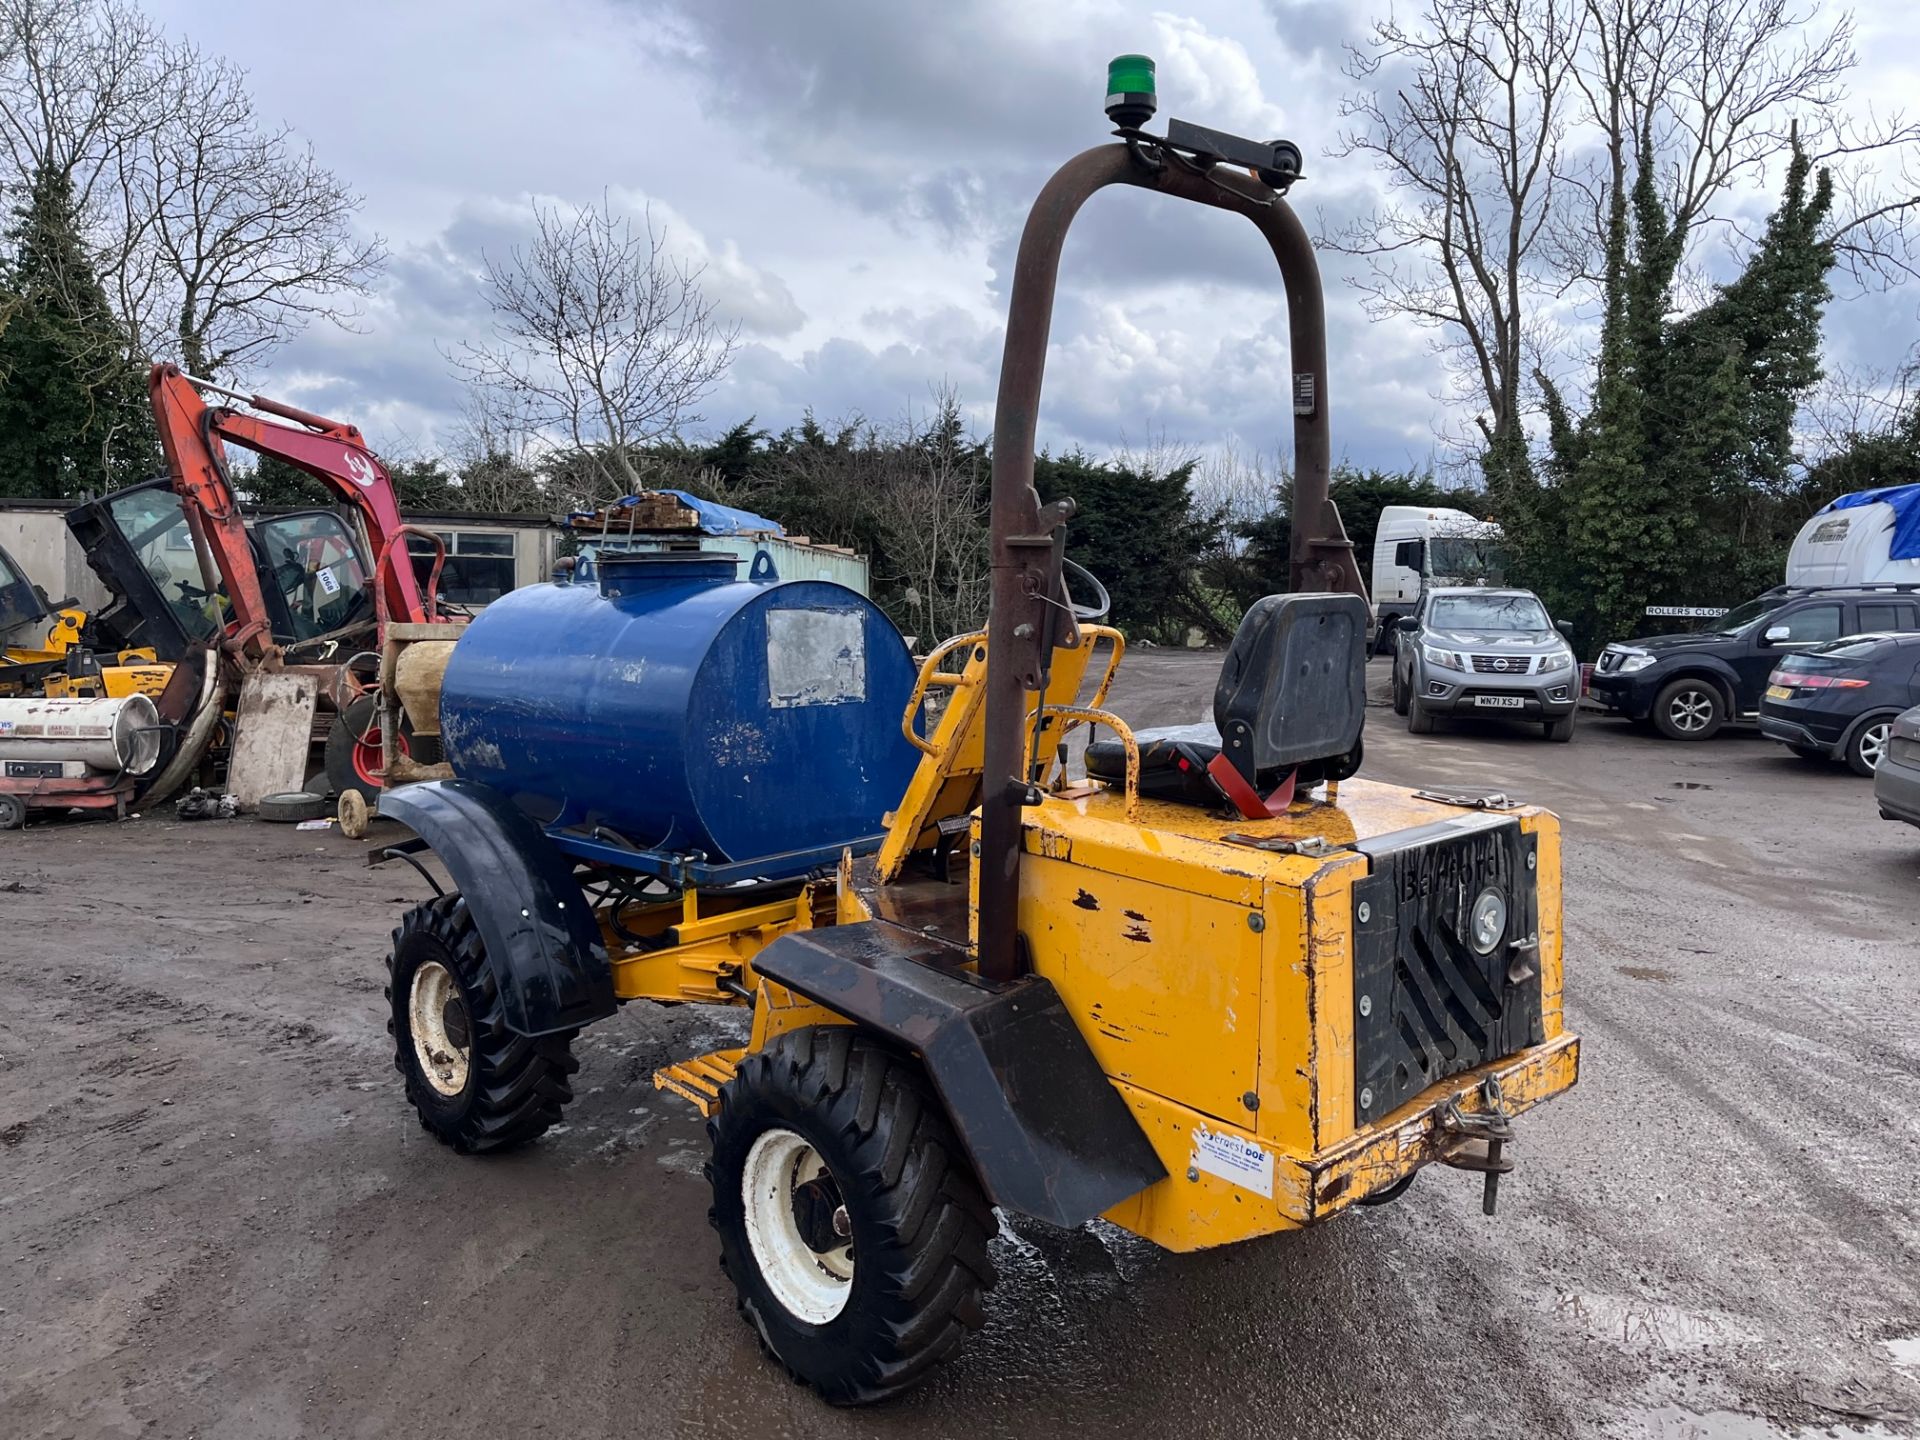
106,735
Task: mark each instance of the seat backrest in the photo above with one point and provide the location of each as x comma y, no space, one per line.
1293,689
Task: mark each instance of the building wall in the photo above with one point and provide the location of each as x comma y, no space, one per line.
37,538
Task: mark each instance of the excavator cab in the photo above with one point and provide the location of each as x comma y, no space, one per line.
312,575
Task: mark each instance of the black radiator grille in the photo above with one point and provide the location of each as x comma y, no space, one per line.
1426,1006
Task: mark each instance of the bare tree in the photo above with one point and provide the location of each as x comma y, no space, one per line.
217,237
933,516
79,85
1510,131
235,237
600,335
1467,126
1713,92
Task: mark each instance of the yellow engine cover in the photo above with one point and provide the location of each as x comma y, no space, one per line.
1214,981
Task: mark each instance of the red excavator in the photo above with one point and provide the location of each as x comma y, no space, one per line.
313,591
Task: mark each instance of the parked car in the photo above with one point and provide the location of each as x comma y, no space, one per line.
1469,651
1838,701
1896,780
1688,686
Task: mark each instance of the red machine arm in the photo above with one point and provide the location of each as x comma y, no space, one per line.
192,434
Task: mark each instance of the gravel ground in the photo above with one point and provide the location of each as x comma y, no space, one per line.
218,1218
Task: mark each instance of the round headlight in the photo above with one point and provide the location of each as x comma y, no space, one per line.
1489,921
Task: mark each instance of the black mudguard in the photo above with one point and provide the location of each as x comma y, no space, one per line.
531,913
1048,1134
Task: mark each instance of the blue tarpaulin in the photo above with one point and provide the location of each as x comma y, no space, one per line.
715,519
1905,500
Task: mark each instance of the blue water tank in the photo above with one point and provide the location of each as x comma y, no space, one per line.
685,709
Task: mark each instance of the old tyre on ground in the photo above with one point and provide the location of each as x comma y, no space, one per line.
850,1221
290,807
1689,709
1560,730
476,1084
1868,743
13,812
353,814
1419,718
354,761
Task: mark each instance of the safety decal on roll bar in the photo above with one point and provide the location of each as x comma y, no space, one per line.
1237,1161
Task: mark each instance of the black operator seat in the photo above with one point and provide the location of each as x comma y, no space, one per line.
1291,700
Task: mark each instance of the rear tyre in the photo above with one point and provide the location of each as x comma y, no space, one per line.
354,759
850,1222
13,813
1399,693
1868,744
1689,709
1419,718
1560,731
477,1085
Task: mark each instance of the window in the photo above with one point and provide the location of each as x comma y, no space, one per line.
479,567
1809,626
1465,558
156,530
1741,616
311,561
1879,616
1487,612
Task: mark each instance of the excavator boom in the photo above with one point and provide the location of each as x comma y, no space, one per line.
194,435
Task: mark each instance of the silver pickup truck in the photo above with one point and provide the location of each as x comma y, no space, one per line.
1470,651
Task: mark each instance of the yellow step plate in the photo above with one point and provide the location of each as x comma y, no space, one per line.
699,1079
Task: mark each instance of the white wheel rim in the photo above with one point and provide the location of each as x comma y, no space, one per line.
445,1057
1691,710
1873,744
811,1285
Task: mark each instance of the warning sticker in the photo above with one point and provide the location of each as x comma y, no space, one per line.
1233,1159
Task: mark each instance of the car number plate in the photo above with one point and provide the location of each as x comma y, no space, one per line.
1779,692
1501,702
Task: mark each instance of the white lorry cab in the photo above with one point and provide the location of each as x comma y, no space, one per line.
1871,537
1418,547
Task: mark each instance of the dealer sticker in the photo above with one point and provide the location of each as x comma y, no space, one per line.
1230,1158
329,582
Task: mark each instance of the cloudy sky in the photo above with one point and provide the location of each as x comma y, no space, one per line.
853,174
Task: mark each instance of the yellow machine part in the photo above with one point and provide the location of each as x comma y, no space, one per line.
134,671
1215,985
1212,979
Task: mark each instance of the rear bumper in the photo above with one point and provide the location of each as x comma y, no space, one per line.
1896,786
1380,1157
1197,1206
1793,732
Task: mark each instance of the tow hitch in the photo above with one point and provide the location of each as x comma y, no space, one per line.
1477,1141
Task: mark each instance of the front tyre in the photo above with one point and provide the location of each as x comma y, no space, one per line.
1560,731
476,1085
1689,709
1419,718
850,1222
